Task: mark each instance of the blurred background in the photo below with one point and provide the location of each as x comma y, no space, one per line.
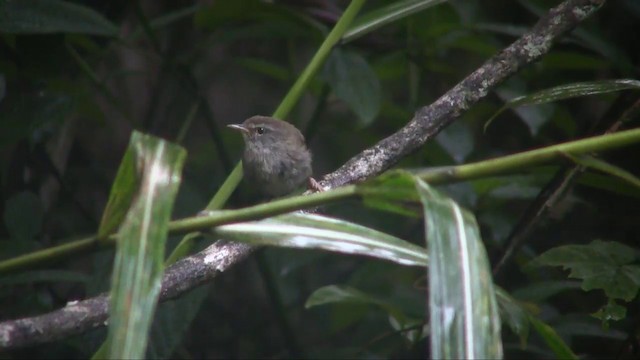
182,70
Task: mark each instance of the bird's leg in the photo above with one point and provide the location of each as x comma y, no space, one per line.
313,185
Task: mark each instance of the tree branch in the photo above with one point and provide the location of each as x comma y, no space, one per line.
80,316
195,270
429,120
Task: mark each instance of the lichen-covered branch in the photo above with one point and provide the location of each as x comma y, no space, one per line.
428,121
79,316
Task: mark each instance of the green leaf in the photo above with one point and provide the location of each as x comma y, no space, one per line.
387,14
354,82
552,339
333,294
306,231
50,16
122,192
602,265
605,167
514,315
568,91
138,264
23,227
462,302
393,191
612,311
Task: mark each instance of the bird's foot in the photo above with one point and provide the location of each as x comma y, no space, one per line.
313,185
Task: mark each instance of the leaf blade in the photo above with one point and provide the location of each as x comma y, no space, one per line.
308,231
140,251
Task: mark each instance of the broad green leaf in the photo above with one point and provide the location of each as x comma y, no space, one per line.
605,265
387,14
51,16
605,167
306,231
139,257
333,294
462,302
552,339
354,82
568,91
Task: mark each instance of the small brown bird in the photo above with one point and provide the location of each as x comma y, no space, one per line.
276,159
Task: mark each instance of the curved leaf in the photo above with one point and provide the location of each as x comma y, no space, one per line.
568,91
306,231
385,15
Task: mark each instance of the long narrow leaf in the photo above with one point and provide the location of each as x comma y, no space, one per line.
465,323
385,15
605,167
140,251
306,231
568,91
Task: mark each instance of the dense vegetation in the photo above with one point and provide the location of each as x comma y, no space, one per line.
77,78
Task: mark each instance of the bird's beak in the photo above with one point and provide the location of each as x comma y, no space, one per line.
239,127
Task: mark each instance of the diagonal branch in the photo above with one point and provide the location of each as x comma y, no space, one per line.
428,121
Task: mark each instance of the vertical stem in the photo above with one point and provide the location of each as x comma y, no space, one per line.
294,94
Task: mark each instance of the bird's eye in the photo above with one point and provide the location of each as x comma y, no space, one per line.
260,130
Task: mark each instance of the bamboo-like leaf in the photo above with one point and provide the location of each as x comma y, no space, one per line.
306,231
605,167
140,252
347,295
121,195
394,11
552,339
465,323
568,91
46,16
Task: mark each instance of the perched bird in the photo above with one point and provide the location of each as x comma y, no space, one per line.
275,160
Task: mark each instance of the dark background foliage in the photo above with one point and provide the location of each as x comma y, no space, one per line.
69,101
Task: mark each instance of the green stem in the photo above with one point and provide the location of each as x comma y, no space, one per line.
188,225
492,167
512,163
294,94
318,59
